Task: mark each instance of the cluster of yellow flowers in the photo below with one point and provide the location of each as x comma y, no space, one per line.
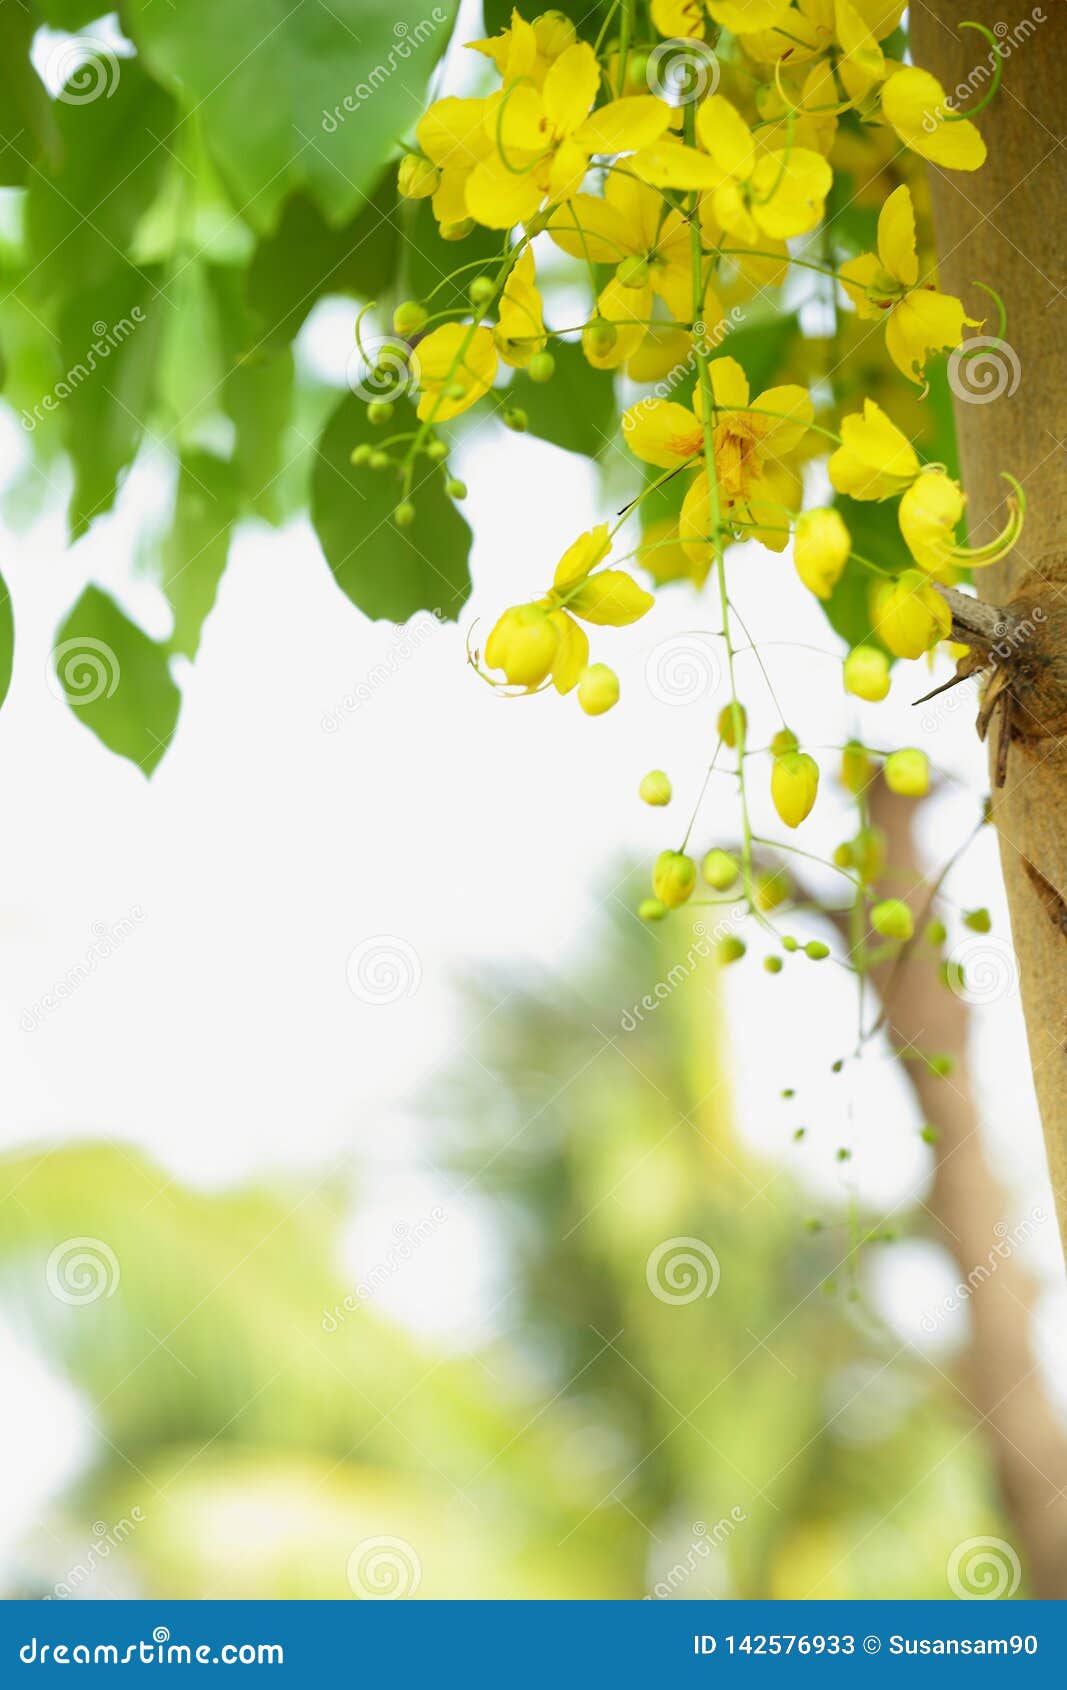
670,204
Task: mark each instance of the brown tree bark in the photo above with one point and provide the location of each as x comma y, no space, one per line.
1006,225
1001,1380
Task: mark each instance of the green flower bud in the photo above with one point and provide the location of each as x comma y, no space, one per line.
893,919
731,949
856,767
785,740
673,878
409,317
816,950
772,889
599,337
379,412
359,455
436,451
404,515
936,933
774,965
417,177
542,367
655,788
455,488
379,460
481,290
651,909
794,784
719,870
732,724
516,419
979,921
456,231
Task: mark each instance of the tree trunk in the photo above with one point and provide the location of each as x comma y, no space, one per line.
1006,225
1002,1382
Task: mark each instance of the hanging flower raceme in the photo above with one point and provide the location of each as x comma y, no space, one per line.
542,641
918,319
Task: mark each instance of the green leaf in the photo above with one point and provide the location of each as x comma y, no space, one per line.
269,82
82,217
28,131
194,556
189,372
387,571
305,258
7,639
257,395
116,680
427,261
576,409
108,342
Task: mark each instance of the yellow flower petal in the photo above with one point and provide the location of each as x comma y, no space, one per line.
451,132
670,166
498,198
790,190
914,104
582,555
624,125
821,546
929,515
875,460
924,321
896,237
570,88
572,652
910,615
679,19
741,16
724,133
610,599
661,432
588,227
520,329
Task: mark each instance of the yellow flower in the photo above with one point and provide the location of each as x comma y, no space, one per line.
794,785
542,139
910,615
756,191
874,459
929,515
632,228
534,641
756,484
866,673
740,15
528,49
918,319
457,364
820,550
520,329
916,106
